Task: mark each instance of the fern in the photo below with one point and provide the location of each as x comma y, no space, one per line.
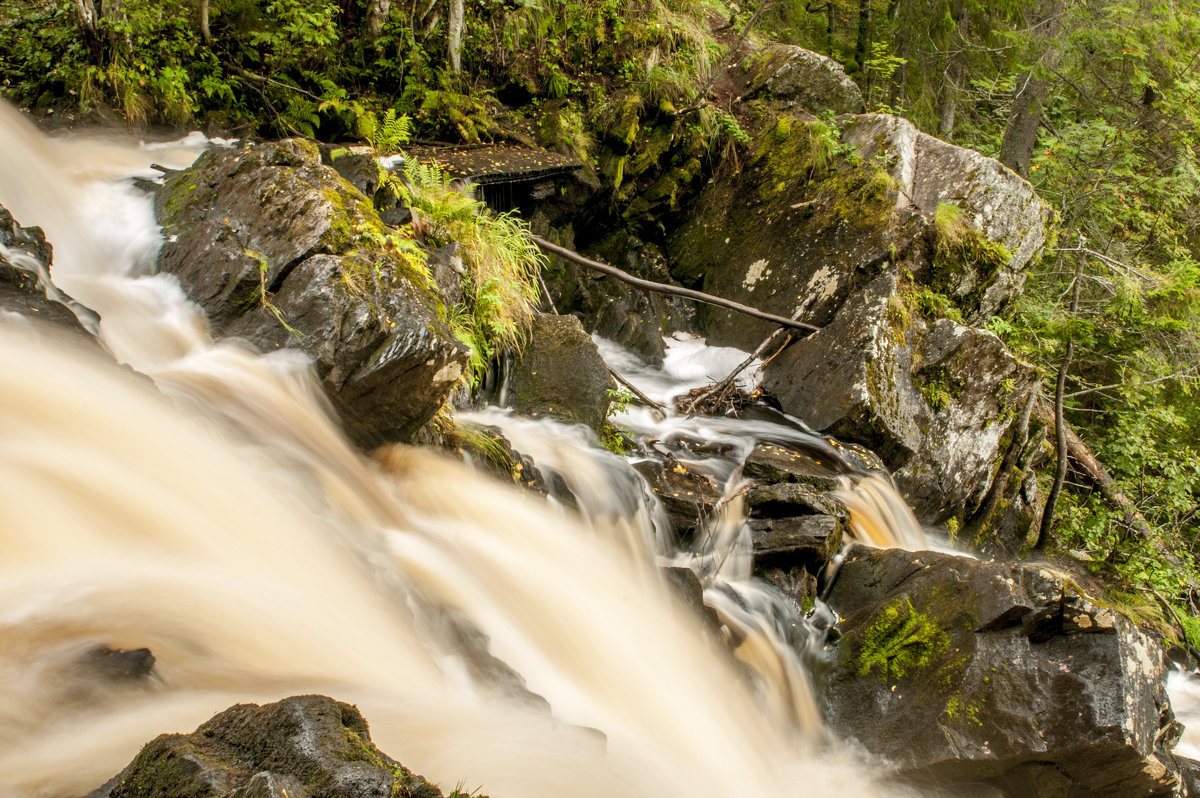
500,284
387,135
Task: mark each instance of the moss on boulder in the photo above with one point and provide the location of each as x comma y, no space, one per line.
282,251
976,676
318,747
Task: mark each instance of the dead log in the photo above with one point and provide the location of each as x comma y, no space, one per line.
1085,463
663,288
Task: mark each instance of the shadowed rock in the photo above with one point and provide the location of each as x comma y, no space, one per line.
282,251
968,675
301,746
560,374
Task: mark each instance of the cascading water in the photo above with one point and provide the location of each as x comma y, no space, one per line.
231,529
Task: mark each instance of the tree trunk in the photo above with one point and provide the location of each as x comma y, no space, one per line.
205,31
830,17
862,48
377,15
955,73
89,22
1020,134
899,93
1025,115
454,35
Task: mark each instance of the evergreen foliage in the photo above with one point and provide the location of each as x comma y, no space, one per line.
1093,101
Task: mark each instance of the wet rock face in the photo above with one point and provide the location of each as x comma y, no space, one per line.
794,528
932,400
803,223
282,251
301,746
968,675
561,374
20,292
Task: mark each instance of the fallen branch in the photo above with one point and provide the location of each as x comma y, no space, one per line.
663,288
718,390
646,400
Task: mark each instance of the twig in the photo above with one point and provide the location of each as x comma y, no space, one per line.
646,400
1186,372
724,384
663,288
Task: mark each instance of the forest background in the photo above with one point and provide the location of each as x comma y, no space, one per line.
1094,102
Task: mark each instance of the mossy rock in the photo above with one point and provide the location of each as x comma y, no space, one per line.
970,675
798,78
802,221
560,374
322,745
281,250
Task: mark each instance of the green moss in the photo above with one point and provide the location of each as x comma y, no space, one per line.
793,149
615,439
939,386
899,318
467,115
561,128
900,642
964,711
622,130
958,248
359,749
179,191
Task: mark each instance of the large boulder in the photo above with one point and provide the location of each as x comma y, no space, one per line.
821,208
895,243
798,78
301,746
933,399
282,251
560,374
984,678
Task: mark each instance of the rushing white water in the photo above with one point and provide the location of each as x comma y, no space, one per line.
231,529
1184,690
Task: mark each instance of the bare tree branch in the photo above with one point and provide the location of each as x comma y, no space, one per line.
663,288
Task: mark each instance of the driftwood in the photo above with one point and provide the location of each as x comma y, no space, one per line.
717,392
663,288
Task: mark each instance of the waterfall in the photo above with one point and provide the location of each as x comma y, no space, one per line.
220,519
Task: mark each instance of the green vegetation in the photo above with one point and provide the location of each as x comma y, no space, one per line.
939,386
1092,101
614,437
900,642
501,262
